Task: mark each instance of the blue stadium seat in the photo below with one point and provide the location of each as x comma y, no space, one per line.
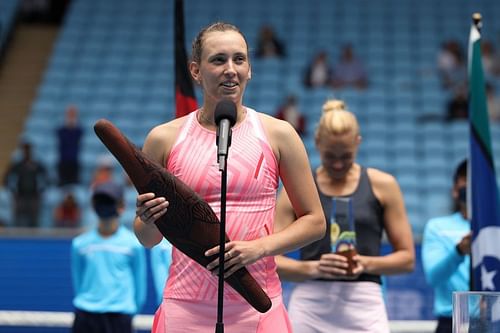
113,64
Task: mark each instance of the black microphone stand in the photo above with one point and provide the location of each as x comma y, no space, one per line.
219,327
225,117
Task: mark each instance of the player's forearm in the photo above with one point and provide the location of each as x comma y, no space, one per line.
290,269
147,234
303,231
399,262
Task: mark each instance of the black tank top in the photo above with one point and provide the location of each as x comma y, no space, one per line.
367,223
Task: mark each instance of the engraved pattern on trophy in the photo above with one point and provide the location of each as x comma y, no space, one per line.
190,224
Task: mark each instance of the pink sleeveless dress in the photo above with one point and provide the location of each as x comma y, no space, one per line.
190,295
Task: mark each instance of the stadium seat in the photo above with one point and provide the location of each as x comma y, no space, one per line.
113,64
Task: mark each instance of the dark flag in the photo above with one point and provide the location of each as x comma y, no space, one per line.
484,204
185,100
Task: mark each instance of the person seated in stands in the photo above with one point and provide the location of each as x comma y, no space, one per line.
493,103
67,212
458,105
289,111
268,45
451,65
349,71
319,71
491,62
104,171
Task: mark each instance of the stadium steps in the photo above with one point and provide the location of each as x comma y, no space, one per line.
20,74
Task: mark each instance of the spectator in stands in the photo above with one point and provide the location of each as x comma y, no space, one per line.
104,171
50,11
34,10
26,179
108,268
490,59
68,137
289,111
264,150
360,204
319,72
451,65
493,103
446,248
67,213
458,105
161,258
268,44
349,71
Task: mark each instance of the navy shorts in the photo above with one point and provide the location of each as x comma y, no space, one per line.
90,322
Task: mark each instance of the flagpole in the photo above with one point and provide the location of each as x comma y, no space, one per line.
185,99
477,20
478,23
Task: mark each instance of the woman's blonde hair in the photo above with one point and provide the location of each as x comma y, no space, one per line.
336,119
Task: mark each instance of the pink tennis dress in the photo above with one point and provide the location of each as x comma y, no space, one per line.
190,295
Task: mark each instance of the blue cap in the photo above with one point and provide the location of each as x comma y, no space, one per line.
110,189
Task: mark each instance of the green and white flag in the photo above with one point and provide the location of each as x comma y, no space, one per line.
483,199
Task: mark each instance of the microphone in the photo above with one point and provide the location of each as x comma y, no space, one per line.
225,118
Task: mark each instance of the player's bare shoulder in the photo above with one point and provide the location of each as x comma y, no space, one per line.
280,133
161,138
379,176
166,132
276,128
382,182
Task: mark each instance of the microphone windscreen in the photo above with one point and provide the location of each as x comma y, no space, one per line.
225,109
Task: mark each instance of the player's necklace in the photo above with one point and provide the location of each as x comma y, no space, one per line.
204,120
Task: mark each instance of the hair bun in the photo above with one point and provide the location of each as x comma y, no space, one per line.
333,105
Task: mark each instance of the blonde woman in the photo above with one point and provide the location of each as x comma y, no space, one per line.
359,205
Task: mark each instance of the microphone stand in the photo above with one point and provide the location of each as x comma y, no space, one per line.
219,327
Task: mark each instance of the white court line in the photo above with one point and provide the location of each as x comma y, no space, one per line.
144,322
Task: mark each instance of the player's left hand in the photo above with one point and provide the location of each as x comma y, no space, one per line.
238,254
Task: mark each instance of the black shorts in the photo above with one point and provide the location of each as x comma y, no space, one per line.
109,322
444,325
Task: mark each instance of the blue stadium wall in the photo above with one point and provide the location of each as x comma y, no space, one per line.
35,276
